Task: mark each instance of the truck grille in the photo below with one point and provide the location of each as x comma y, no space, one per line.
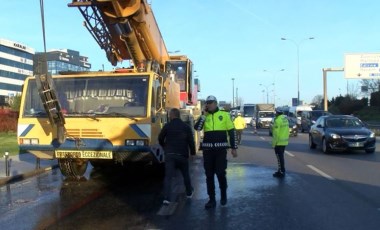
84,133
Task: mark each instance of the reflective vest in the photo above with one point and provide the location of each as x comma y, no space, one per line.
219,130
280,131
239,122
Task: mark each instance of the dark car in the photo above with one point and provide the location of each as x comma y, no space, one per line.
293,130
341,133
308,118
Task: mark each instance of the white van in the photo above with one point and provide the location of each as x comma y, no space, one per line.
295,113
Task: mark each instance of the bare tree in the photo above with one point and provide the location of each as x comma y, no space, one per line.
353,90
371,85
317,100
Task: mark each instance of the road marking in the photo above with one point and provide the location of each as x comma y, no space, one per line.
290,154
262,138
320,172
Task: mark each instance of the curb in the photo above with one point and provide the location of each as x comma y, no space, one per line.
20,177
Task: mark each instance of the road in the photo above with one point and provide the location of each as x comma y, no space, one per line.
335,191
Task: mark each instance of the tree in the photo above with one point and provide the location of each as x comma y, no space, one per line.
317,101
15,102
372,85
353,91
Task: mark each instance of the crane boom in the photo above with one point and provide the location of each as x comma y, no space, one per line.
126,30
106,117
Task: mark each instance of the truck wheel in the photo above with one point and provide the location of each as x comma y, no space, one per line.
74,168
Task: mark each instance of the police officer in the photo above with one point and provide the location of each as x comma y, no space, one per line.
218,129
280,140
240,125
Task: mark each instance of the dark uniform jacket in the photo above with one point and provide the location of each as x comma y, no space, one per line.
177,137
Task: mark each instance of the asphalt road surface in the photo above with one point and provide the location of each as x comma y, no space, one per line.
334,191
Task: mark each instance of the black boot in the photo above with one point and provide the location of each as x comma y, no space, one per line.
211,203
223,197
279,174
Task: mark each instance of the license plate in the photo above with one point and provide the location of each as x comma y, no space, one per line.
356,144
83,154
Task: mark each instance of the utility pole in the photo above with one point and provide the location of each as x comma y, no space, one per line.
233,92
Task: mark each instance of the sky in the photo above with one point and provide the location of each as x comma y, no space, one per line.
227,39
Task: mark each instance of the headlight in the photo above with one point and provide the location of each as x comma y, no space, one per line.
372,135
334,136
34,141
140,142
26,141
130,142
135,142
30,141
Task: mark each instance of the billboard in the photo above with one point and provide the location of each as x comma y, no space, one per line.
362,66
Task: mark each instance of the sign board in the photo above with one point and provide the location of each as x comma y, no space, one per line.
294,101
362,66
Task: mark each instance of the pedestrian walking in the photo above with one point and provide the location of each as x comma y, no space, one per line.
218,129
280,139
177,140
240,125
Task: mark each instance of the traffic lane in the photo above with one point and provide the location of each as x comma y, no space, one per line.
356,172
136,204
256,200
355,166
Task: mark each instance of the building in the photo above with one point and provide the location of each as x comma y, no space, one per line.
64,60
16,63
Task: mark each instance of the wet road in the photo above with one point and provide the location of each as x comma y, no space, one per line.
335,191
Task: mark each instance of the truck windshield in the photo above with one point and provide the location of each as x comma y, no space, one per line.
266,114
248,111
179,68
100,96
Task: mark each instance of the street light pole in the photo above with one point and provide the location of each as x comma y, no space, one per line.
237,97
274,82
233,92
297,44
266,87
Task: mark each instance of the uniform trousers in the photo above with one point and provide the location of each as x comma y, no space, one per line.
215,162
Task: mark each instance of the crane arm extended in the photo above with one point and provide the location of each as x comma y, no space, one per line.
125,29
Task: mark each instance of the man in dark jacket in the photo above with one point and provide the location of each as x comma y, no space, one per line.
177,139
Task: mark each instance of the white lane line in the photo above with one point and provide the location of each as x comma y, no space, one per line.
290,154
321,173
262,138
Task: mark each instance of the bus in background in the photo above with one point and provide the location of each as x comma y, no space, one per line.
247,111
